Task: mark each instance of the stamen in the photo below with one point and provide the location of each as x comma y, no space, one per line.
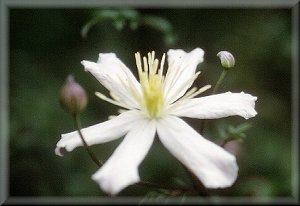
105,98
189,95
201,90
115,97
188,81
155,66
131,86
120,111
149,61
194,92
121,93
151,83
190,92
146,65
161,69
138,63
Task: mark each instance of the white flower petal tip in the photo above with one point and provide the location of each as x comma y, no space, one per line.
111,183
60,151
227,177
121,169
88,66
250,111
99,133
214,166
192,58
107,57
199,54
217,106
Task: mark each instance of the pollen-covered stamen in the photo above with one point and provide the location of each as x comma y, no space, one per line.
151,80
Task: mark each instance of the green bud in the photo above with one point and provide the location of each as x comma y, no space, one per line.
72,96
227,59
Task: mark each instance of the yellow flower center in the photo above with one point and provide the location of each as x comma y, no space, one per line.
151,80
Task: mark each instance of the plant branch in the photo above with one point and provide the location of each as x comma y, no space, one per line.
91,154
218,84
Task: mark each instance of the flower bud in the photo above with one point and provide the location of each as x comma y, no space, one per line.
227,59
72,96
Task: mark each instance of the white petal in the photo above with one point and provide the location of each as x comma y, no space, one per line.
182,67
216,106
121,169
99,133
215,167
116,77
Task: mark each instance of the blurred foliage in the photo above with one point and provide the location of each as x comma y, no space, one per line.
121,17
231,133
46,45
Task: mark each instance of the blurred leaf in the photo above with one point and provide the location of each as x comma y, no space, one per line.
121,17
118,17
179,181
162,25
229,132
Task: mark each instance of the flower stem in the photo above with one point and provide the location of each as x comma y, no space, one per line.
78,127
218,84
220,80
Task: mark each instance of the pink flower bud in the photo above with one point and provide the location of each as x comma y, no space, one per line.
227,59
72,96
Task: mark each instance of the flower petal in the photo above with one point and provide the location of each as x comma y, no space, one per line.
116,77
216,106
99,133
121,169
182,67
215,167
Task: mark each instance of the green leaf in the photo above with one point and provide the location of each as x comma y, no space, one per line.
121,17
161,24
229,132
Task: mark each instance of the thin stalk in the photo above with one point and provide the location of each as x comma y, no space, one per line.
220,80
224,142
91,154
218,84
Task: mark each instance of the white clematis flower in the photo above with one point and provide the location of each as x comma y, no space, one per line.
154,105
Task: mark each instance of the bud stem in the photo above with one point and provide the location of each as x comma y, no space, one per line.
78,127
218,84
220,80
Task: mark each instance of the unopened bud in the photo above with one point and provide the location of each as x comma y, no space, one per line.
72,96
227,59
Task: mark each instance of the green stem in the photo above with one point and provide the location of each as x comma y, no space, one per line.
220,80
91,154
218,84
224,142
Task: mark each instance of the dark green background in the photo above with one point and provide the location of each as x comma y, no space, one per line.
46,46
